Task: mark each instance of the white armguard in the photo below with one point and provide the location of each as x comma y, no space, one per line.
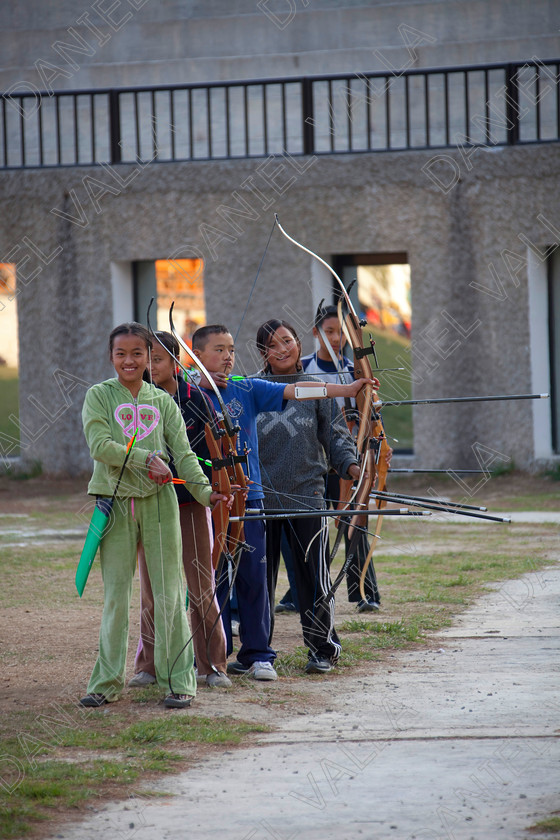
311,391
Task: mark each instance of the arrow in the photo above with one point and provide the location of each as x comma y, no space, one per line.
456,510
447,471
380,403
378,494
302,514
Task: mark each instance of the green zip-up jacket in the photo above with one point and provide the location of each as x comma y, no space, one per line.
111,415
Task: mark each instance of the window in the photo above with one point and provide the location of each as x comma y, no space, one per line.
379,286
554,346
178,281
9,362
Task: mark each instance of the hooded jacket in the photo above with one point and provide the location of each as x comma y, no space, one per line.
110,416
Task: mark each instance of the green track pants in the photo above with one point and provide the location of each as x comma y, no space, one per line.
154,521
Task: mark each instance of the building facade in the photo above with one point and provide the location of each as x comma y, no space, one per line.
479,224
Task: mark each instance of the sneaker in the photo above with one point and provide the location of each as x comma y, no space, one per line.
285,606
234,627
237,668
177,701
262,671
368,606
318,665
219,680
141,679
93,700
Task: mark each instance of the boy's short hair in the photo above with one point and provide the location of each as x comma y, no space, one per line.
201,336
324,312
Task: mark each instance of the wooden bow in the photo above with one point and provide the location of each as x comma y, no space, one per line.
227,469
369,430
220,434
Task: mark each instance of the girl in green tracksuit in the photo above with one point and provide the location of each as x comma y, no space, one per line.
145,511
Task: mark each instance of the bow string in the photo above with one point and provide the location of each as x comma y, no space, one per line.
370,431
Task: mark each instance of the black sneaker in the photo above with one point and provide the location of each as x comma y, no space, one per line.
317,665
93,700
285,606
237,668
177,701
368,606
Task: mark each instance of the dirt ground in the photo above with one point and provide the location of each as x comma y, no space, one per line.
48,644
56,644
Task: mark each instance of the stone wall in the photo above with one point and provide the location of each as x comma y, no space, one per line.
470,227
477,279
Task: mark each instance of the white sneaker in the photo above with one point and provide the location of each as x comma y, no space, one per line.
219,680
262,671
141,679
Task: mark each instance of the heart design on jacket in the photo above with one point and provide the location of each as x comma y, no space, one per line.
142,417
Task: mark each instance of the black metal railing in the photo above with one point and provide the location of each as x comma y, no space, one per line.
491,105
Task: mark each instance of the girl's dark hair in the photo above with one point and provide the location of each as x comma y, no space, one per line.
324,312
265,333
171,345
132,328
169,342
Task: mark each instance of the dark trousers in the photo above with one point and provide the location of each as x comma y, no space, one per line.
252,596
312,580
291,595
357,563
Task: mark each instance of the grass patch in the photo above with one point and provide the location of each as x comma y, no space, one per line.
9,404
60,759
428,572
374,637
421,592
389,631
291,664
550,825
40,573
553,473
176,729
503,468
543,501
395,386
33,471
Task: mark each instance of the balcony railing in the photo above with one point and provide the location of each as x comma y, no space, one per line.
490,105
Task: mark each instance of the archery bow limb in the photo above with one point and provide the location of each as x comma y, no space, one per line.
345,484
234,461
351,326
220,513
226,469
364,399
231,538
220,484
